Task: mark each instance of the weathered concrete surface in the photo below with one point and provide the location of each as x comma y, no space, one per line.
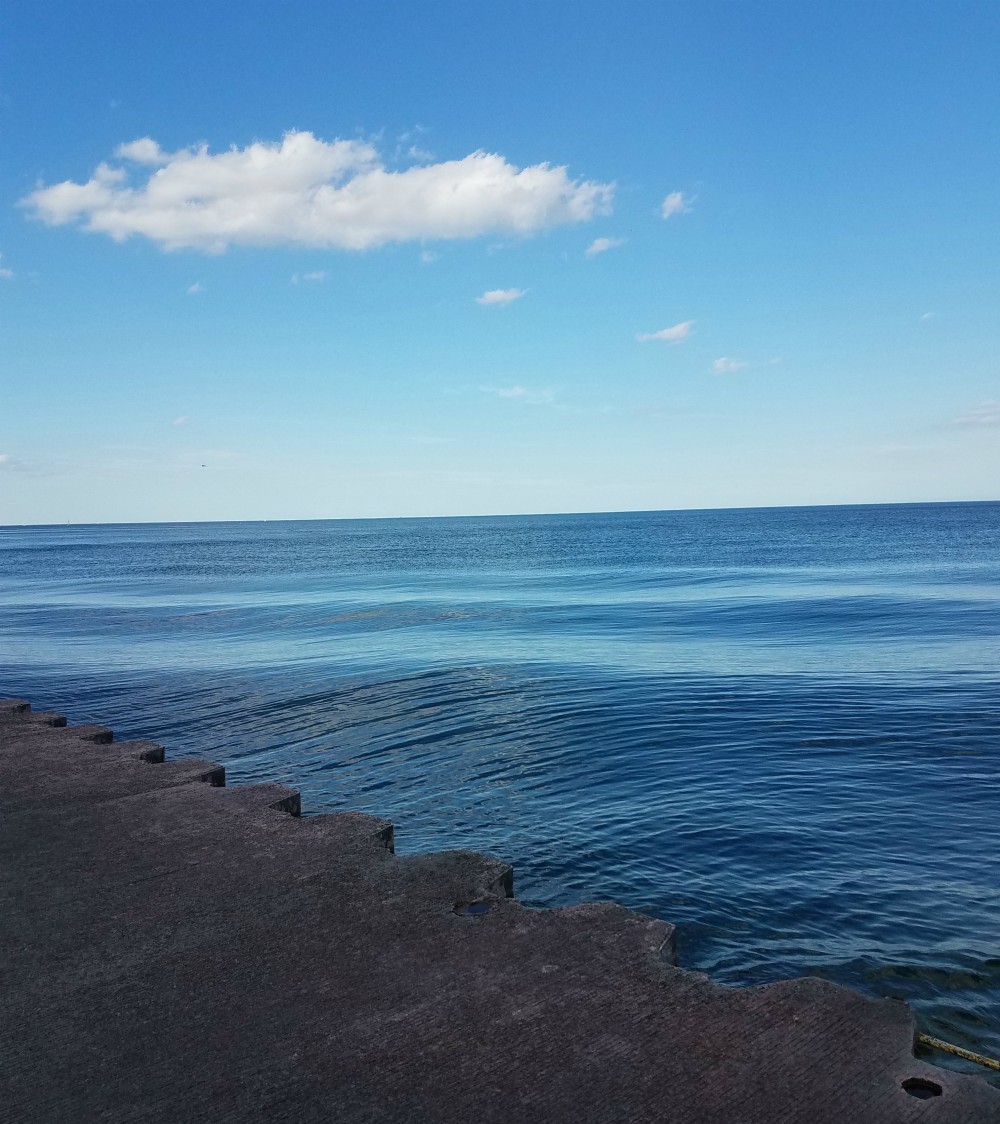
174,951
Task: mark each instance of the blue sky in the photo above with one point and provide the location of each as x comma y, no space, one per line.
310,261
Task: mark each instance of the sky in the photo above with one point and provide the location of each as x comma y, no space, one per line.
307,260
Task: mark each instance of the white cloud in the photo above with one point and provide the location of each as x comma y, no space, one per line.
5,274
314,275
927,316
195,289
304,191
599,245
7,461
677,334
725,366
428,256
985,414
182,420
500,296
540,397
674,204
143,151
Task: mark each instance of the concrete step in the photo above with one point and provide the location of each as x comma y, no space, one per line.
182,952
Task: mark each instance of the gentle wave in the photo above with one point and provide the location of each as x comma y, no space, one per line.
778,729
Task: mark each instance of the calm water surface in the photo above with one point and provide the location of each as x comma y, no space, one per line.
779,729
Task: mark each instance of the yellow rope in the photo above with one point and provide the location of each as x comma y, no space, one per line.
958,1051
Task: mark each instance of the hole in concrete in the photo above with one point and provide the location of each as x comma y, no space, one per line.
921,1088
474,909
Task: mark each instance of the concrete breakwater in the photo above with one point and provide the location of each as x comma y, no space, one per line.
176,950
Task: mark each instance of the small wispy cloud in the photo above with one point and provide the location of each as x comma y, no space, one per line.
5,274
145,150
927,316
674,204
195,289
315,275
677,334
600,245
182,420
8,462
985,414
428,256
409,147
500,296
419,155
534,397
725,366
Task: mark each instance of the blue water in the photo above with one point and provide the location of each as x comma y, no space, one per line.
779,729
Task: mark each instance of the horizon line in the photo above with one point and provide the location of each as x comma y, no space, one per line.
498,515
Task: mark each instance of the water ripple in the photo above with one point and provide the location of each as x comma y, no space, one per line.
778,729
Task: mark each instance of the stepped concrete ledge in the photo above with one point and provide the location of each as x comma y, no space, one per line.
174,950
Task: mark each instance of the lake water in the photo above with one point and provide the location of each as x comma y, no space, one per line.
779,729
